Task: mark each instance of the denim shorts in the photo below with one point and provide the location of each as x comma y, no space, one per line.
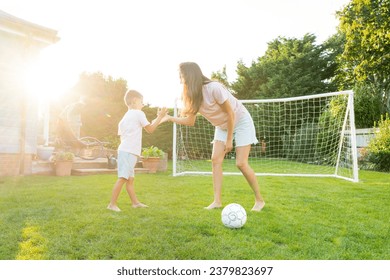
126,164
244,132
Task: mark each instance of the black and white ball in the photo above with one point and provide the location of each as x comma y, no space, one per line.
233,216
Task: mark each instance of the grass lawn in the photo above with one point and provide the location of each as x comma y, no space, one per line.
56,218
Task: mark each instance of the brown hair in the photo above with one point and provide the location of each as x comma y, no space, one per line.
192,87
130,96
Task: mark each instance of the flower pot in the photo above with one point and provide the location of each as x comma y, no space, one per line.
163,165
63,168
151,163
44,152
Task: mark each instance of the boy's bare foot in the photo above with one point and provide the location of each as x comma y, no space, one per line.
140,205
113,208
258,206
213,205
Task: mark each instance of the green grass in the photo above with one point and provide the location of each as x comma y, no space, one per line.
44,217
266,165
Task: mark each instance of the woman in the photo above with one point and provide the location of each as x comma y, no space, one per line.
230,119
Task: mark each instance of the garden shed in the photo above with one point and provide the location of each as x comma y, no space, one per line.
20,45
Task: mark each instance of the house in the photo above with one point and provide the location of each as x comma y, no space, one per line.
20,44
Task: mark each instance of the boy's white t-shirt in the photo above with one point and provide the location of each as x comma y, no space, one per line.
215,94
130,131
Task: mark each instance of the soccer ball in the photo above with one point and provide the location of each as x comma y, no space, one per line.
233,216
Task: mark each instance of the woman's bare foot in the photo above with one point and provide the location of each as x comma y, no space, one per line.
213,205
258,206
113,208
140,205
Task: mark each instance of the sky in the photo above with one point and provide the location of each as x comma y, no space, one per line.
143,41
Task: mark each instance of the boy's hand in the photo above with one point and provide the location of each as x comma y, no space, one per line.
161,112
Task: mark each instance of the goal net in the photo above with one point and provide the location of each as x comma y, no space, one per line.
301,136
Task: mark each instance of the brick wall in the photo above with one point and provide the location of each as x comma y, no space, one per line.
9,164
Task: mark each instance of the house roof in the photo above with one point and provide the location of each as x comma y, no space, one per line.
21,27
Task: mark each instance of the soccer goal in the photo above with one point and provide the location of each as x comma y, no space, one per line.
301,136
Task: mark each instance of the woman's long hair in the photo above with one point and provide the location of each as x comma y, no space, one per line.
192,87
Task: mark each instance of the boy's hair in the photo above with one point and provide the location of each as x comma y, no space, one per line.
131,95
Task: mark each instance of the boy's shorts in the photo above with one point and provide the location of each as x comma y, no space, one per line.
126,164
244,132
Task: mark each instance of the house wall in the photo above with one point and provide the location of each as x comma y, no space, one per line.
14,99
18,109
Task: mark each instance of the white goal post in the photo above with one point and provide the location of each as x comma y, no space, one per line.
310,135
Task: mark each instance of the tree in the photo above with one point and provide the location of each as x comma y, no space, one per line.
104,104
104,108
290,67
221,76
368,105
249,81
333,48
366,56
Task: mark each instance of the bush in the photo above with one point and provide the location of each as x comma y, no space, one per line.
300,146
162,136
367,105
63,156
364,159
328,138
152,151
113,142
379,147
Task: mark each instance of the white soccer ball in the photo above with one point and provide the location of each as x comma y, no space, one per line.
233,216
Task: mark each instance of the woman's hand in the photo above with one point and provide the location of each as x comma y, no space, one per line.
227,108
166,118
228,146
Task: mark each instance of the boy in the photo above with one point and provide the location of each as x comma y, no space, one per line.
130,131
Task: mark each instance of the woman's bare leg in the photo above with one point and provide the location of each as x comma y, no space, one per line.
217,161
242,154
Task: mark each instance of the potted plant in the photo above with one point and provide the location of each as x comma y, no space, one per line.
151,158
44,152
63,162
